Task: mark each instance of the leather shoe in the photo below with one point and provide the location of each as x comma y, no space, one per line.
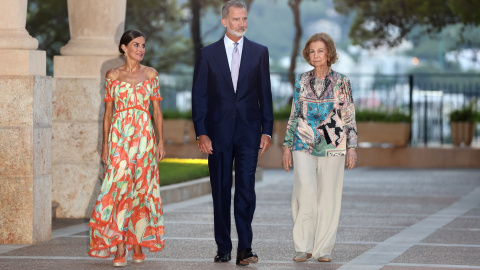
222,257
246,256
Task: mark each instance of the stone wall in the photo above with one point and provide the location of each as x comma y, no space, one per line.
78,106
25,144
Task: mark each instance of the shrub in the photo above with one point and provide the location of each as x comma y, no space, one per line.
170,114
282,113
465,114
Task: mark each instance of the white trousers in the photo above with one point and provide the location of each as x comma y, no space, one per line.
316,202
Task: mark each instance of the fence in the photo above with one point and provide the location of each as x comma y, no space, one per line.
428,97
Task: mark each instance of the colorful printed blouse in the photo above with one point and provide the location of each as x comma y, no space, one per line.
322,119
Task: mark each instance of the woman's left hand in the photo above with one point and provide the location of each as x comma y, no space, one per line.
160,154
287,159
351,158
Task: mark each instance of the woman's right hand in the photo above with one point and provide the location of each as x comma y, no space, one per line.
104,155
287,158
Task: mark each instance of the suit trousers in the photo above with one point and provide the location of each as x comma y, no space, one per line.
220,167
316,202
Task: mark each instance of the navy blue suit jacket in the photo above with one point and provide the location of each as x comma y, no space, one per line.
218,111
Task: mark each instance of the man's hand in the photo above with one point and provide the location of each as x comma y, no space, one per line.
264,144
205,144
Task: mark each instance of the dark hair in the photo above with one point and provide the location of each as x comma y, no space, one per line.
128,36
328,40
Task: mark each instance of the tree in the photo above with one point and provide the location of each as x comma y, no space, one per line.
196,7
248,3
161,22
195,30
388,22
295,6
47,21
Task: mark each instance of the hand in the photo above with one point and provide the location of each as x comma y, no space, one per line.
351,158
287,158
205,144
104,155
264,143
160,154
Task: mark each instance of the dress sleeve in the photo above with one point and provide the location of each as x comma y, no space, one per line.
108,90
294,114
156,90
349,112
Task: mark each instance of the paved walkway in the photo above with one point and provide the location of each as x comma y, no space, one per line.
391,219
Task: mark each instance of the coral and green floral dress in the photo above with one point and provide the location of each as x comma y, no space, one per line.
129,207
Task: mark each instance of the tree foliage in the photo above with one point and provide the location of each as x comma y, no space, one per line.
47,21
197,8
388,22
161,22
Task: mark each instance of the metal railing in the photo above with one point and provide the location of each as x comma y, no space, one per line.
429,98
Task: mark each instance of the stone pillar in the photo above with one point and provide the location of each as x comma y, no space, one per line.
95,29
25,132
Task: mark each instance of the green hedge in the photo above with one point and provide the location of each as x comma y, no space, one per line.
282,113
177,172
170,114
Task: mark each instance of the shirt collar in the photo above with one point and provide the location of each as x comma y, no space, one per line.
229,42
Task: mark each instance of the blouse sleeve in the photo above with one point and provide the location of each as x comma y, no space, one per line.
349,112
294,115
108,90
156,90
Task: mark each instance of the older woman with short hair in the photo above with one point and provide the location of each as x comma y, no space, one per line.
321,139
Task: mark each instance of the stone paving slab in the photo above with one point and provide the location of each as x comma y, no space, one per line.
391,219
423,267
452,255
395,220
459,237
63,246
371,234
82,264
464,223
474,212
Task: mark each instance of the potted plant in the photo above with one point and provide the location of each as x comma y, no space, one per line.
383,127
462,124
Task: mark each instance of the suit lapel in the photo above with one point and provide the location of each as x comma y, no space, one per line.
223,62
245,62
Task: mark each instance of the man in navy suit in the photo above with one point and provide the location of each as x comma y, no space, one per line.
233,119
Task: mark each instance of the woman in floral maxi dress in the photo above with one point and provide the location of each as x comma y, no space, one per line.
128,213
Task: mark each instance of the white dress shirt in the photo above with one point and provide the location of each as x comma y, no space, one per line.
229,45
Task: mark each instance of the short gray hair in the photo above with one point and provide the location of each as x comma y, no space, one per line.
229,4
